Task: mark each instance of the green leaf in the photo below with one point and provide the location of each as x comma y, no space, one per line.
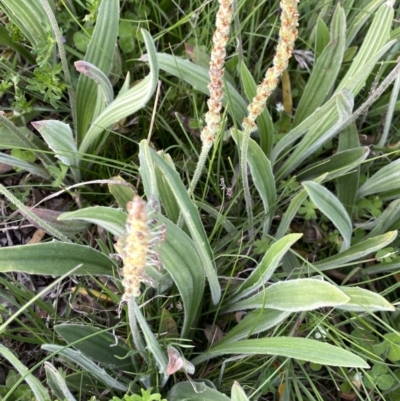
191,216
294,296
60,139
331,207
356,252
263,176
264,121
99,53
266,268
35,385
122,193
24,165
362,300
237,393
303,349
112,220
325,70
86,364
386,179
335,166
6,40
30,18
255,322
57,383
182,261
193,391
128,103
322,37
55,258
198,78
97,345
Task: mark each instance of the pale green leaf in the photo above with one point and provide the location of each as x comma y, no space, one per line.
57,383
112,220
362,300
126,104
192,391
35,385
266,268
386,179
303,349
199,78
86,364
55,258
293,296
60,139
331,207
356,252
191,216
237,393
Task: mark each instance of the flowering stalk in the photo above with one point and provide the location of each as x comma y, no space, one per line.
287,37
137,247
216,72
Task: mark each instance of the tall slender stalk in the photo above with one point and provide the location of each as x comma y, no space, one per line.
287,37
216,71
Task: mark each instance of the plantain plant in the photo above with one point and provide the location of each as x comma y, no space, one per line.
256,272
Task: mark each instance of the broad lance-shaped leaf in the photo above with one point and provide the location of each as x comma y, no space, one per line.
112,220
362,300
266,268
195,392
386,179
40,392
331,207
86,364
57,383
262,174
294,296
182,261
128,103
99,53
356,252
255,322
56,259
238,393
60,140
325,70
303,349
191,216
199,78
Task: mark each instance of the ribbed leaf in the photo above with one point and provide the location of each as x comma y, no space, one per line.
99,53
337,165
386,179
264,121
180,258
266,268
38,389
325,70
191,216
112,220
331,207
195,392
255,322
24,165
294,296
86,364
60,139
198,78
54,258
96,344
357,251
302,349
362,300
57,383
263,177
128,103
237,393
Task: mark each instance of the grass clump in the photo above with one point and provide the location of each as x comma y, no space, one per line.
247,255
